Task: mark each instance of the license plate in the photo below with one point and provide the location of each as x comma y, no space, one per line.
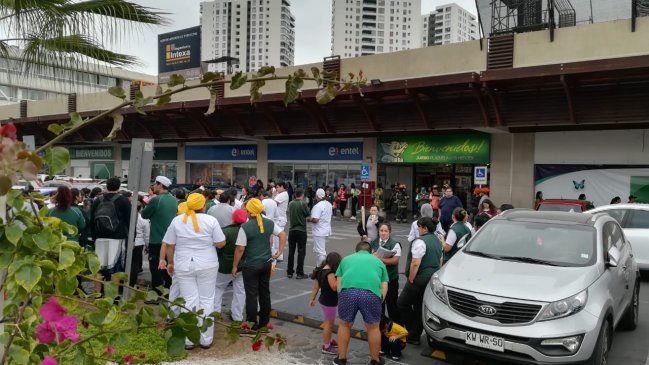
485,341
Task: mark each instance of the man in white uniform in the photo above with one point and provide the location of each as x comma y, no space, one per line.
321,219
281,198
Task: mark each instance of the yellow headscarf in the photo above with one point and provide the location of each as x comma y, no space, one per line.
182,208
255,207
195,202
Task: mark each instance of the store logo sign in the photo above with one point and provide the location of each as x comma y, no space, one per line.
237,152
344,151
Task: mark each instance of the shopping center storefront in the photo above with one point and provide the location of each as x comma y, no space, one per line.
92,162
221,165
424,161
165,162
316,163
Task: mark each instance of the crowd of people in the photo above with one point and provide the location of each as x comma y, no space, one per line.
201,242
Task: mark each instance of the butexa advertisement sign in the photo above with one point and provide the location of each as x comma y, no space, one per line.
179,52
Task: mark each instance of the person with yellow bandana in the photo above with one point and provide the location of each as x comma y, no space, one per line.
254,251
192,259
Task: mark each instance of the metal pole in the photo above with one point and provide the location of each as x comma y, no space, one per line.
139,176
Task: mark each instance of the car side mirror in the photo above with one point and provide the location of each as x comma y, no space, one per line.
613,256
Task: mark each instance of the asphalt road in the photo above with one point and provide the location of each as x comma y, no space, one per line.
291,296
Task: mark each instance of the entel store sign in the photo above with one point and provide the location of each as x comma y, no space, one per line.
337,151
246,152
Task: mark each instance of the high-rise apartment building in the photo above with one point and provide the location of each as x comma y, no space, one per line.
365,27
254,33
449,23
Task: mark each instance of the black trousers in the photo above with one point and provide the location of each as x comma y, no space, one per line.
158,277
342,205
410,305
391,348
391,301
256,281
296,239
354,204
136,265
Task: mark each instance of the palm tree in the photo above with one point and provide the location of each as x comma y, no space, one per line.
60,34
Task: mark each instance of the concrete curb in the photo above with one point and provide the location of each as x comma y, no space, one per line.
313,323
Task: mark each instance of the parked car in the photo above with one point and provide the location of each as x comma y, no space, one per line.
536,287
634,219
565,205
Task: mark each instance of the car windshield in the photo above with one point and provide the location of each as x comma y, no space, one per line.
560,207
537,243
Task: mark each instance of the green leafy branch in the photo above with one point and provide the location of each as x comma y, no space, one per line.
328,82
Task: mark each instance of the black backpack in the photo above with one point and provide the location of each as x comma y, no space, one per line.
106,221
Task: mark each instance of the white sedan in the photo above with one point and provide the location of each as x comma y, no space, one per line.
634,219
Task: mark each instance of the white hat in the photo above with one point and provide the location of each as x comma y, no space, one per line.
320,193
163,180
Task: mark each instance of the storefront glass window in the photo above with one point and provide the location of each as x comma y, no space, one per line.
242,172
167,169
282,172
213,173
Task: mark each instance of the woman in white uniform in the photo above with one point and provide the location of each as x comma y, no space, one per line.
192,259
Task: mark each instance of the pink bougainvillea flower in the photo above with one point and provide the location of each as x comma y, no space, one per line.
44,333
52,311
244,326
9,131
128,358
256,346
269,326
66,328
109,349
49,360
141,356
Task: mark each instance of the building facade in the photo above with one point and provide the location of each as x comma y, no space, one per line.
47,82
254,32
449,23
366,27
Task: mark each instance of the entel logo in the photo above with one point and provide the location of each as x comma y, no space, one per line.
236,152
334,151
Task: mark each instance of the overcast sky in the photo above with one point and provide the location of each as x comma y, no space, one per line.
312,28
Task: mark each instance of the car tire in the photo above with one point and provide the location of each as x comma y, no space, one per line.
630,320
600,352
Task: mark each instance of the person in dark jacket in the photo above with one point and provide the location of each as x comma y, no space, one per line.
446,206
110,237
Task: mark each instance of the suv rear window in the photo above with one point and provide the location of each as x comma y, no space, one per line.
561,245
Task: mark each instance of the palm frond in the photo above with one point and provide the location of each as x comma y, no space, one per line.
117,9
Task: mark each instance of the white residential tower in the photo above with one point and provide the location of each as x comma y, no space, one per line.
365,27
449,23
254,32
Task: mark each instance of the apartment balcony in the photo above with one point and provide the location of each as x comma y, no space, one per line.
368,32
369,17
368,40
369,2
369,25
368,48
369,10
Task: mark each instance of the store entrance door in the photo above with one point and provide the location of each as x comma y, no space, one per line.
397,174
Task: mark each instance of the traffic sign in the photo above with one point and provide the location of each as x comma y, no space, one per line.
365,172
480,175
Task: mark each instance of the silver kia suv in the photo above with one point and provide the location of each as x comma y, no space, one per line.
536,287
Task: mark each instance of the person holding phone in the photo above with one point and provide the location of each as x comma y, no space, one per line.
370,231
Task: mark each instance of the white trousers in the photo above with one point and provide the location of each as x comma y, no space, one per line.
174,292
238,294
320,249
281,224
197,287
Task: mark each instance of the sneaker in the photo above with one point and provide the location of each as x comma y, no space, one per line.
189,347
300,277
381,353
339,361
333,343
379,362
290,276
395,358
328,349
353,218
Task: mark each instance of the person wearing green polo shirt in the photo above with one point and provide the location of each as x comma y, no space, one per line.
423,261
298,210
160,211
362,282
